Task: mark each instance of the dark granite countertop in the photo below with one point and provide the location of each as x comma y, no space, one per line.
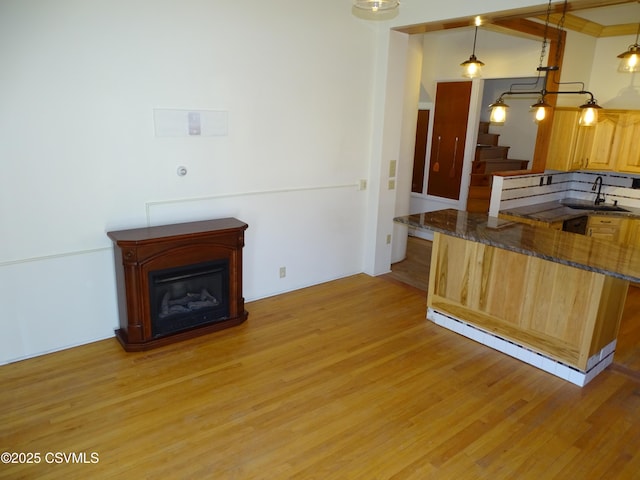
554,245
558,211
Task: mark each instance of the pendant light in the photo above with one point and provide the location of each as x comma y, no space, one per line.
472,68
376,5
498,112
540,109
630,60
589,114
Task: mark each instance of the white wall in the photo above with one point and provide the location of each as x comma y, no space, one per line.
519,132
308,93
79,157
614,89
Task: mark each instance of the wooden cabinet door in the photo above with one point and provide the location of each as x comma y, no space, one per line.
597,149
633,233
605,227
562,143
448,139
627,152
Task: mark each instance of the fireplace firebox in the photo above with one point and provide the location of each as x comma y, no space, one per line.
188,296
178,281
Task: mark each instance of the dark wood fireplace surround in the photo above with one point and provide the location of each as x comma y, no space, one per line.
143,250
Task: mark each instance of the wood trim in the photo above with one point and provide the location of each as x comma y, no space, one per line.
581,25
538,11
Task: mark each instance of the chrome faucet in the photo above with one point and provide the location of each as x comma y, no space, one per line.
598,183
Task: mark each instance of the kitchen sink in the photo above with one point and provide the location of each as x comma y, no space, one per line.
594,207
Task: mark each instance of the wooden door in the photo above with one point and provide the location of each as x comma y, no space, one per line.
420,153
449,134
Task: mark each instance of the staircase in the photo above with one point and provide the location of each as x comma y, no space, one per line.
490,157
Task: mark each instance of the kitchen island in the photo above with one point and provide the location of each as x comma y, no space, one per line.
550,298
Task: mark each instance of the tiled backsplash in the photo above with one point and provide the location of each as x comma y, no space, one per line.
553,185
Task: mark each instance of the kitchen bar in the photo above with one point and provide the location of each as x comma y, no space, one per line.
550,298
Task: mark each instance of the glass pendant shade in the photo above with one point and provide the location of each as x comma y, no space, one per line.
589,115
498,112
630,60
376,5
540,110
472,68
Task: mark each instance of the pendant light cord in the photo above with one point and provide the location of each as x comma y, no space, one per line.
543,51
475,36
560,28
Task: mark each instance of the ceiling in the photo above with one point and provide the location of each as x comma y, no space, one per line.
598,18
607,21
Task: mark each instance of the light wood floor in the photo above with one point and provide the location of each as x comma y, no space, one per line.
344,380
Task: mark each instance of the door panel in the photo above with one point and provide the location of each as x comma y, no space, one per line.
449,135
420,154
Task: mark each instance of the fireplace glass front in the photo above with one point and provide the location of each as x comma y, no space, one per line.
188,296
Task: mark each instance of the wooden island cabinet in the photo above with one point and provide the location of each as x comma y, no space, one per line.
550,298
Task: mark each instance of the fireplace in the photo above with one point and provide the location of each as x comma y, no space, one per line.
188,296
178,281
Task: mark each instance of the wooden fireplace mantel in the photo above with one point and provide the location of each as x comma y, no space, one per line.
140,251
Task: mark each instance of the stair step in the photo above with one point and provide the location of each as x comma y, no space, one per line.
488,139
497,165
481,180
480,193
484,127
489,152
480,205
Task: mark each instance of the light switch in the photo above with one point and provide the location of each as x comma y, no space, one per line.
392,168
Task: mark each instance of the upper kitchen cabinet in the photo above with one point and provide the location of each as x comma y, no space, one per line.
628,153
595,144
562,142
573,147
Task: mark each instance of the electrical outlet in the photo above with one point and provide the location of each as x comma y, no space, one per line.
283,272
363,184
389,239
